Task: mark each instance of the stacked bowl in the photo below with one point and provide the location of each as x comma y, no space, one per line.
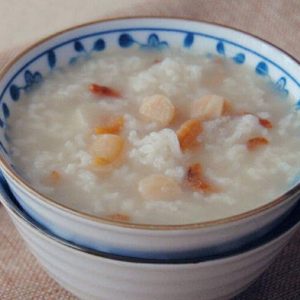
96,258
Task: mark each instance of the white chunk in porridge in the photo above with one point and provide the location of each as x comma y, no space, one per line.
158,138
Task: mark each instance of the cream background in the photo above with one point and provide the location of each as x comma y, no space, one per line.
23,21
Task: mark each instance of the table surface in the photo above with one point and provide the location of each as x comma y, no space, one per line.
23,22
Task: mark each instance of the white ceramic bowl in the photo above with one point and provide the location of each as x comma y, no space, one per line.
102,276
145,33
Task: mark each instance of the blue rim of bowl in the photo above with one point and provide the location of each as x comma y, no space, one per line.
292,193
11,203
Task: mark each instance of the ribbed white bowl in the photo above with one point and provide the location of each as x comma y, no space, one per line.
93,276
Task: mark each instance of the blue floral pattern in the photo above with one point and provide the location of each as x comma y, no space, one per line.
239,58
126,40
31,79
5,110
153,42
188,40
220,48
51,59
79,48
280,85
262,69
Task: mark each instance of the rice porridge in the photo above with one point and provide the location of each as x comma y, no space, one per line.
156,138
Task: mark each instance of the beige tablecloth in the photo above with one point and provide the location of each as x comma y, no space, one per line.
21,22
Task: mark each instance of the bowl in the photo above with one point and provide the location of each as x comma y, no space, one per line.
96,275
141,240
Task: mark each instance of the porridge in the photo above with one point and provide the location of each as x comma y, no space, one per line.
156,138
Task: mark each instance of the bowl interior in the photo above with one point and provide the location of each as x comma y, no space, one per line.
30,69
